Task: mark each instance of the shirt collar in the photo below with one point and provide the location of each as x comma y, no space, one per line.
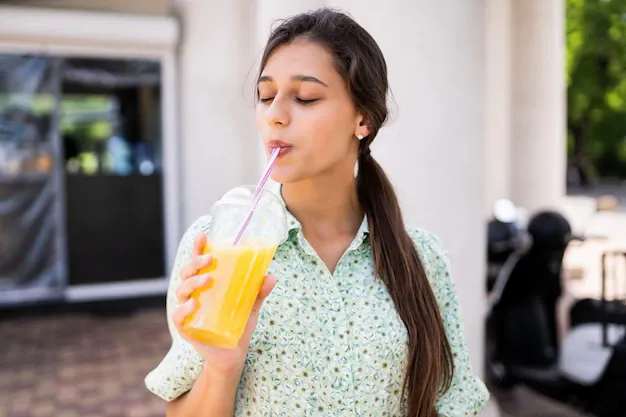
294,224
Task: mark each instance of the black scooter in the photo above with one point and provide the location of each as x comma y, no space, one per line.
587,369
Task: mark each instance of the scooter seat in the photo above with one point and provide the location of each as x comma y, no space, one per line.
590,310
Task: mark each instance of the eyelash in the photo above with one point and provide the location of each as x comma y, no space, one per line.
299,100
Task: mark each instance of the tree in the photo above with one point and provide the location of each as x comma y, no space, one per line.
596,81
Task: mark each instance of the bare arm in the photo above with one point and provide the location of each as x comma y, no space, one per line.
212,395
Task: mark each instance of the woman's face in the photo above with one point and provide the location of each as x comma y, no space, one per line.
306,109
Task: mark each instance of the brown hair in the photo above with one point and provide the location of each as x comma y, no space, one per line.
360,62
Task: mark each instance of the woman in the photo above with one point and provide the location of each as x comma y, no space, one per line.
362,318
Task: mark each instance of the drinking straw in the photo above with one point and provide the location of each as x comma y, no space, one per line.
257,193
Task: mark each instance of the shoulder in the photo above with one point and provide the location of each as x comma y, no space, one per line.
201,224
436,262
431,251
426,240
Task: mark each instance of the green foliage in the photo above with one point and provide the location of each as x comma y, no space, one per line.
596,81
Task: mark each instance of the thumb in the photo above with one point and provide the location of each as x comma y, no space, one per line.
268,285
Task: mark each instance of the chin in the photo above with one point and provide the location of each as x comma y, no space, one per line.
283,175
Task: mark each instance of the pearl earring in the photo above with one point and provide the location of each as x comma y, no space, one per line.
360,137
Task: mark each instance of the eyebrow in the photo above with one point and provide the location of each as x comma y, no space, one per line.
299,78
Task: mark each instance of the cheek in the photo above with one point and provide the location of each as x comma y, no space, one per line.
328,130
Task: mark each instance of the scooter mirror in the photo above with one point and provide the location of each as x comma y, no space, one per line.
504,211
522,218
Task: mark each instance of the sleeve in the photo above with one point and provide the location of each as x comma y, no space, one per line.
467,395
181,366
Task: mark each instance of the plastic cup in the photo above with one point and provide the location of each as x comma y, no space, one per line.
224,306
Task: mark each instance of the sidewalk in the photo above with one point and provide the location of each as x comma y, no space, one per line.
81,365
522,402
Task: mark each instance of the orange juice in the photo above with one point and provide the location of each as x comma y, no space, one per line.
224,306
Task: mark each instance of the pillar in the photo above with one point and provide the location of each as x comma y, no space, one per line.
539,109
498,132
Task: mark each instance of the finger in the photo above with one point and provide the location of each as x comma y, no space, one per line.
182,312
199,244
196,263
188,286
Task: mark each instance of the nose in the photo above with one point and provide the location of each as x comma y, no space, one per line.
277,113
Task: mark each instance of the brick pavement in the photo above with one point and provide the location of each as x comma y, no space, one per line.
80,365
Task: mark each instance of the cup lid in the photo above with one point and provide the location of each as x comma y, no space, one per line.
269,210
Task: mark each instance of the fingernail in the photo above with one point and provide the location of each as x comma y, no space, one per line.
207,259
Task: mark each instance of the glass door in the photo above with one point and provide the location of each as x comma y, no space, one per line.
32,263
111,130
81,175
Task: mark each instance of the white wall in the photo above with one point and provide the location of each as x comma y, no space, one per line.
269,11
216,112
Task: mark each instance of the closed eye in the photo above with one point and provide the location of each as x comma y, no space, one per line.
305,102
299,100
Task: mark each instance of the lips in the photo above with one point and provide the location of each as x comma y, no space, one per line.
285,147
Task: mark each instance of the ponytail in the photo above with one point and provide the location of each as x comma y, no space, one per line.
396,262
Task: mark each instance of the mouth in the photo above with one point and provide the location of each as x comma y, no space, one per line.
285,147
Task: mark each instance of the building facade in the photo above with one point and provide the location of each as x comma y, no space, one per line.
478,114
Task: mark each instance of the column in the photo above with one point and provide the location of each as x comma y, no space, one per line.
217,127
497,102
539,93
433,147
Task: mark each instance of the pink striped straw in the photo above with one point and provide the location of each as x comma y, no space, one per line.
257,193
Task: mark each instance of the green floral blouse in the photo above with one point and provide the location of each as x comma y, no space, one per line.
327,344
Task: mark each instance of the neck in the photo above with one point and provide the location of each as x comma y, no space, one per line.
325,206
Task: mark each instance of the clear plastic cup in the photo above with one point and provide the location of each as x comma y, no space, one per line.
224,306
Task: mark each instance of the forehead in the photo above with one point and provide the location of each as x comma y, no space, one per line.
301,57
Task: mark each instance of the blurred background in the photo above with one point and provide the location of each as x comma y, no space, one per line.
122,122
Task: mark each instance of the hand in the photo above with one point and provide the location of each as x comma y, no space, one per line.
224,362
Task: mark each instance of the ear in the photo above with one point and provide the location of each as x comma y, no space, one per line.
363,126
